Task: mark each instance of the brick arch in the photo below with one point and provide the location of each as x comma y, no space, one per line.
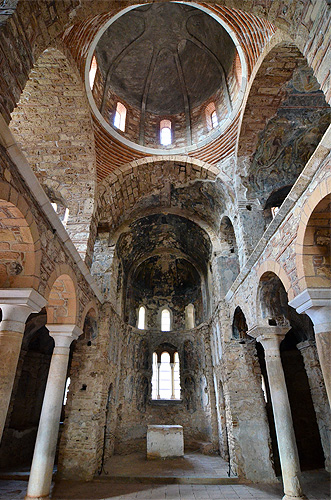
61,296
121,190
20,252
266,92
311,259
274,267
52,124
91,306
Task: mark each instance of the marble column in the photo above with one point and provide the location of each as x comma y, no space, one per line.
16,306
270,337
45,447
158,380
172,367
316,303
319,397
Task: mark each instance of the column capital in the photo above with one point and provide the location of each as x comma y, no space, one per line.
16,305
22,296
63,334
269,336
316,303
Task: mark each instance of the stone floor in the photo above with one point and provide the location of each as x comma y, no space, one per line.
132,477
192,465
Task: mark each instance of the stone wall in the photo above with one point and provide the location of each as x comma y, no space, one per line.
52,124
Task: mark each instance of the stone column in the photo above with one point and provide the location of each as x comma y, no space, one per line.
158,380
16,306
172,366
319,397
271,337
45,447
316,303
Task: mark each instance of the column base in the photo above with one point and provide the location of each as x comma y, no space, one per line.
27,497
289,497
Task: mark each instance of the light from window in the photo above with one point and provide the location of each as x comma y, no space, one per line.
165,320
66,390
165,379
214,119
189,317
93,71
264,389
274,211
165,132
120,116
141,318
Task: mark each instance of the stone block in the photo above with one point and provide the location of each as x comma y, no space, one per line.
165,441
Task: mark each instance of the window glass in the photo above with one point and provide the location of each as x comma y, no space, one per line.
165,320
165,132
214,119
141,318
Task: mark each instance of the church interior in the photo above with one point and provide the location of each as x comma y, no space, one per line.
165,200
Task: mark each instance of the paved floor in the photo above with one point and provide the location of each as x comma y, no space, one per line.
128,482
193,465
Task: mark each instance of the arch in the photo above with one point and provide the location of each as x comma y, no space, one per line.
60,150
19,240
228,259
62,296
274,267
272,301
266,89
239,325
311,254
90,306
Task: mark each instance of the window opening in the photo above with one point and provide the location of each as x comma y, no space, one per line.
214,119
66,390
274,211
211,116
165,320
120,116
93,71
165,132
264,390
189,317
141,318
166,378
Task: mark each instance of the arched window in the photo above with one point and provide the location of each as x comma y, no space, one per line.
189,317
165,132
165,379
165,320
141,318
211,116
62,212
120,116
93,71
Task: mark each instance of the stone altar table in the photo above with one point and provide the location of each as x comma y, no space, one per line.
165,441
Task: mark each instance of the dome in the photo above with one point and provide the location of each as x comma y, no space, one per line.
165,68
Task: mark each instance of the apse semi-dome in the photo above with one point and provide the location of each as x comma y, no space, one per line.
165,77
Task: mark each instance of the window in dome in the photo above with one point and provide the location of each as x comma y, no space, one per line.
165,320
165,132
120,116
211,116
93,71
214,119
141,318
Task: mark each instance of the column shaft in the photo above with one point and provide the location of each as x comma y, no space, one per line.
44,453
172,366
323,344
